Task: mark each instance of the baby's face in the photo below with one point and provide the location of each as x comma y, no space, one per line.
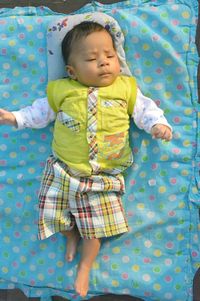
94,61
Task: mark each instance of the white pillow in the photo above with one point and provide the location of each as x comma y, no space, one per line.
58,29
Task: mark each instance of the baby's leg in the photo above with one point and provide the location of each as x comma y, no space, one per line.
89,252
73,238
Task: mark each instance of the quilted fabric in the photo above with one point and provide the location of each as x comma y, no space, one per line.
157,259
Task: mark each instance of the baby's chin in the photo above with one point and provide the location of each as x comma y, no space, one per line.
104,81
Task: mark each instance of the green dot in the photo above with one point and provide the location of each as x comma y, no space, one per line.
23,273
8,225
156,270
114,266
60,278
144,30
34,72
41,261
159,236
183,189
14,57
135,284
29,184
169,78
144,158
177,286
148,63
11,28
163,173
10,195
32,156
186,159
136,251
186,30
161,206
31,43
26,214
187,127
164,15
6,254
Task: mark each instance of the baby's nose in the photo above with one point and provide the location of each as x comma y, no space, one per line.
104,62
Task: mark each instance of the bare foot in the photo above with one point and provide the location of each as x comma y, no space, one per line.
73,238
82,280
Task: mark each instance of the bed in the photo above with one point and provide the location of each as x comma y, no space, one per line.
158,258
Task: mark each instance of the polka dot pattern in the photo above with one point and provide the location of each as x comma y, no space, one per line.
157,259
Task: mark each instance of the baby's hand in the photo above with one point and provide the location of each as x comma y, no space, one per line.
7,117
161,131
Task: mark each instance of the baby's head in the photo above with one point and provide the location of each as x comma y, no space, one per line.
90,55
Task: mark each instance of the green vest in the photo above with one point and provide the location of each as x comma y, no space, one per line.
69,100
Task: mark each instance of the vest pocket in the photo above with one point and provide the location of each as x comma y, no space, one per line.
68,121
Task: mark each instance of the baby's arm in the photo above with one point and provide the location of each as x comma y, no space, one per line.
7,118
149,117
36,116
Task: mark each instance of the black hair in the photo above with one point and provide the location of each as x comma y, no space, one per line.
78,32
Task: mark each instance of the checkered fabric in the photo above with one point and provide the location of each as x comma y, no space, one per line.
93,203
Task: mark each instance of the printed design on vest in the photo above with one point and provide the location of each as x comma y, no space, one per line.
113,103
115,143
68,121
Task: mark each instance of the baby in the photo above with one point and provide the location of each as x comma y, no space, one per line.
82,185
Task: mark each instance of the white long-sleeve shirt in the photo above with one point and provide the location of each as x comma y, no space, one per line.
145,114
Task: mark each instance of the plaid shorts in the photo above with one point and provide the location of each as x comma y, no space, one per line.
92,203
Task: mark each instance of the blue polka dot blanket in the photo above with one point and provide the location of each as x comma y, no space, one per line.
157,259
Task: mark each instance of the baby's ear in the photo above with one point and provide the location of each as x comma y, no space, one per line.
71,71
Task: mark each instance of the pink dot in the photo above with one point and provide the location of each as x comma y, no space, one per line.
32,282
43,136
154,166
25,94
176,151
171,213
6,81
50,271
24,65
179,87
157,102
194,254
147,294
23,148
127,242
41,50
21,36
155,37
168,278
147,260
15,264
175,22
173,181
19,205
170,245
159,70
152,197
135,150
137,55
134,24
39,20
177,119
17,234
42,79
125,276
5,135
132,182
105,258
1,186
4,51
